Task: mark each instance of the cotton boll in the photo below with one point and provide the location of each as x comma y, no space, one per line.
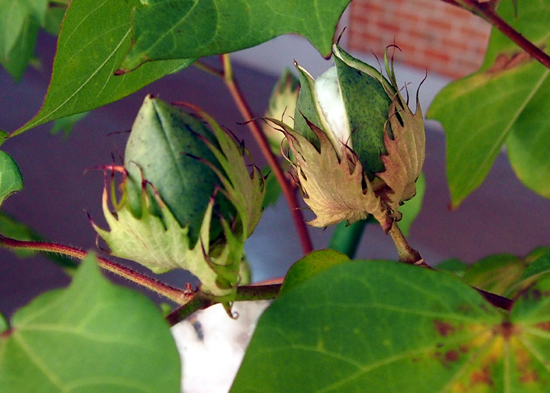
330,100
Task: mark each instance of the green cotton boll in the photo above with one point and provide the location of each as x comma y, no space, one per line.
166,148
350,102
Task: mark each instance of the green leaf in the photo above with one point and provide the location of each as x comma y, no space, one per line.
504,102
66,124
54,18
91,337
385,327
94,39
411,208
11,180
185,29
538,268
496,273
375,326
454,266
22,52
14,16
310,265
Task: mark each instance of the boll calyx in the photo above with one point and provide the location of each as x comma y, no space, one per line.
188,199
356,147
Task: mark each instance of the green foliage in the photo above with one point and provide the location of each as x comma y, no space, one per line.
66,124
11,180
184,29
190,196
357,323
91,337
84,79
310,265
20,21
504,102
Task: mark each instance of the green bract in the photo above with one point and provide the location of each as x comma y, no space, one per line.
357,148
188,198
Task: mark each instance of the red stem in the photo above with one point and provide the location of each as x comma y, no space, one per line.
177,295
260,138
487,11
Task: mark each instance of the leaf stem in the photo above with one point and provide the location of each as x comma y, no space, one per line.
200,301
176,295
406,253
486,10
252,124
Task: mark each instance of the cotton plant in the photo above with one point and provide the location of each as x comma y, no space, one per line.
355,147
188,199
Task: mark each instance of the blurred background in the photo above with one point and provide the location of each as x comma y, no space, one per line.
436,39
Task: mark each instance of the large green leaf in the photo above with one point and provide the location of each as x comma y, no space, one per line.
376,326
94,39
506,101
183,29
10,177
90,337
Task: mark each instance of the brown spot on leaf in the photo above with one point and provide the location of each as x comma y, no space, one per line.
529,376
463,348
544,325
482,376
452,355
506,329
444,328
505,61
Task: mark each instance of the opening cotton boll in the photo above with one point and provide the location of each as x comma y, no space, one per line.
330,100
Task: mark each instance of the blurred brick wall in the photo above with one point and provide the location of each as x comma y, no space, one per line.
432,35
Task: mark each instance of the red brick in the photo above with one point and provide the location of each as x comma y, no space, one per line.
442,56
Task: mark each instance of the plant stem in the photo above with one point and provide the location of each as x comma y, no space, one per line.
288,191
176,295
201,301
346,238
487,11
406,253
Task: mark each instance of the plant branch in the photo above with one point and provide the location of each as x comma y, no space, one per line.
176,295
408,254
201,301
260,138
486,10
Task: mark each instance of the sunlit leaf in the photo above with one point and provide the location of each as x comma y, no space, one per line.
310,265
91,337
184,29
94,39
386,327
505,102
